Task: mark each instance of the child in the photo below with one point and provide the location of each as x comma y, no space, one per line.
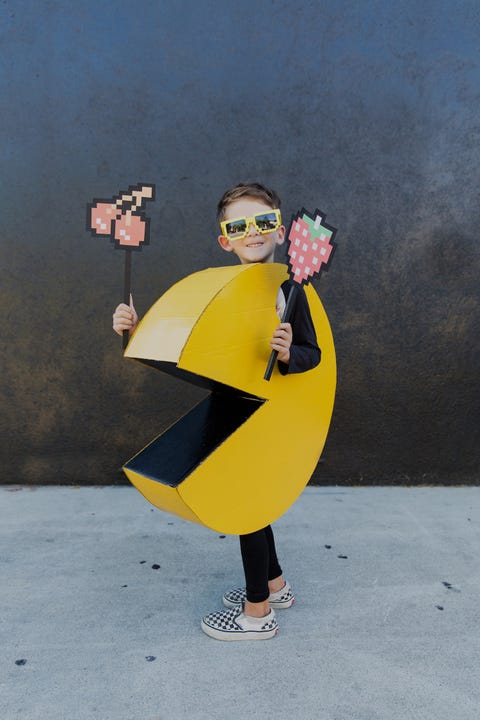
250,223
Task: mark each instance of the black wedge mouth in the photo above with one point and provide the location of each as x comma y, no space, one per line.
176,452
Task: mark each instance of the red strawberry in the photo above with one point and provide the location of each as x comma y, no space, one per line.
309,248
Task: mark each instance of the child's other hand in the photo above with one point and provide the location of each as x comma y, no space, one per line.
281,341
125,318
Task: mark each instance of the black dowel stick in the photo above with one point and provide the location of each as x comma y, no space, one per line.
287,314
127,288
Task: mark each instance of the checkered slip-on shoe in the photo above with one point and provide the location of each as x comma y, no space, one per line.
278,600
234,625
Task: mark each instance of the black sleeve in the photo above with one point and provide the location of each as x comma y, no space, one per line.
304,351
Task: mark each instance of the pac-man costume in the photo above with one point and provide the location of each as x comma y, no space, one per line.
213,328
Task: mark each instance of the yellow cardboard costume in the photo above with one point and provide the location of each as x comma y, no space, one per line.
214,327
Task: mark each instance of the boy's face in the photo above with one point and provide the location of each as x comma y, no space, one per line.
255,246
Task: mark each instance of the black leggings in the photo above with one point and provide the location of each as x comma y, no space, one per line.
260,563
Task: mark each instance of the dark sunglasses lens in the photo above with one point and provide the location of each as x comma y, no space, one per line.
266,222
235,228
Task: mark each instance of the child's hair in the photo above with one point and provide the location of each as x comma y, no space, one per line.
252,190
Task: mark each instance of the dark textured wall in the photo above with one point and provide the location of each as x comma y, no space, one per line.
369,110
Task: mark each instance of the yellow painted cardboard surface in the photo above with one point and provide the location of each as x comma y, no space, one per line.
218,323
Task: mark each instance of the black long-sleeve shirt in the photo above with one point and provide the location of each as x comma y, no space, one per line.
304,351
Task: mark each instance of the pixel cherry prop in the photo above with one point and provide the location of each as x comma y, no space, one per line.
123,220
310,250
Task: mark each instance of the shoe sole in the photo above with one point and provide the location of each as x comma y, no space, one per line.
245,635
273,605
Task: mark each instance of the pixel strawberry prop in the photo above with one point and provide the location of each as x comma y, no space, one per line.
310,250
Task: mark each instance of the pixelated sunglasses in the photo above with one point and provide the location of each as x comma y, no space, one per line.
263,222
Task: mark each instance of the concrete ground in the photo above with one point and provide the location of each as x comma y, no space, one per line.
386,625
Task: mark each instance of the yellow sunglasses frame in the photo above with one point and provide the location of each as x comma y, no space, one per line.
250,221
